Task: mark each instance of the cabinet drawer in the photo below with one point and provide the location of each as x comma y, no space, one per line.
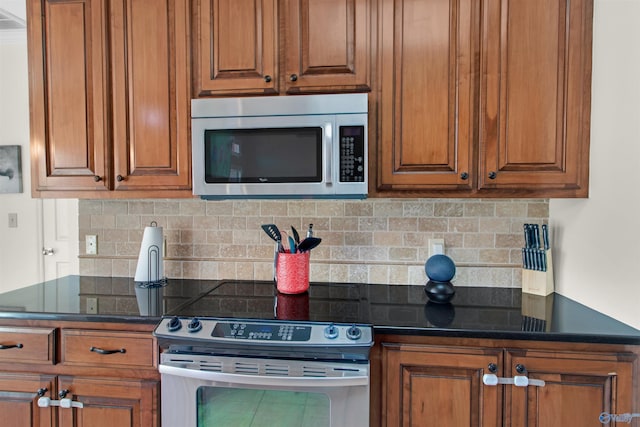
107,348
27,345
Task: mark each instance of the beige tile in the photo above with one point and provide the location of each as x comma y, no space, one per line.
233,223
90,207
220,208
387,209
494,256
179,251
233,251
179,222
246,207
479,209
125,249
394,238
418,209
339,273
509,240
494,225
319,272
330,209
141,207
538,209
433,224
223,237
166,207
120,267
416,240
358,273
103,267
478,240
448,209
227,270
264,270
360,208
403,254
273,208
510,209
301,208
206,251
193,208
373,253
244,271
204,223
399,275
87,266
345,253
416,276
379,274
103,221
191,270
373,224
358,238
173,269
463,225
344,224
403,224
115,207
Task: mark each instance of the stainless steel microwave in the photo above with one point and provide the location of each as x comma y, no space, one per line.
303,146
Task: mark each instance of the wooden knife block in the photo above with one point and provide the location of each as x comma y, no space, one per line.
539,282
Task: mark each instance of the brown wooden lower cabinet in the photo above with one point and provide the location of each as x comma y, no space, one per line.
439,382
19,400
109,369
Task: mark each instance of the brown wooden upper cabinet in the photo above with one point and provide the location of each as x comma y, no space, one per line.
269,47
484,98
109,93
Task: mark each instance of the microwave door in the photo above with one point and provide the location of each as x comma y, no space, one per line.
279,156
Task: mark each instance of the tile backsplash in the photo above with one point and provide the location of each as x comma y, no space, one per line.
371,241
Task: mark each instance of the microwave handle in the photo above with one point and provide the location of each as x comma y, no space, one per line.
267,380
328,152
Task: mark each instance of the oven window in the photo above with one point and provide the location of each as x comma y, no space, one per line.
241,407
263,155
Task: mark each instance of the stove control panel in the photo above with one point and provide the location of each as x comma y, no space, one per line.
262,331
181,329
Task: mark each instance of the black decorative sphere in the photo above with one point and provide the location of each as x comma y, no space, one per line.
440,268
439,292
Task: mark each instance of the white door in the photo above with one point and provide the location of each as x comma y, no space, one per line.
60,246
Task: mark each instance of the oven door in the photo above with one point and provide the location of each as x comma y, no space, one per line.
221,391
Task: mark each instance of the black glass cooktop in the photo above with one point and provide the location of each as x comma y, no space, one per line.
324,302
473,311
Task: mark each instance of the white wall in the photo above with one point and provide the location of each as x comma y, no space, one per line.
19,257
597,240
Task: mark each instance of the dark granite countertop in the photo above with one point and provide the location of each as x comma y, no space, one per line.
480,312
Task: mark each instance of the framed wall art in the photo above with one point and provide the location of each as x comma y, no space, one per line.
10,169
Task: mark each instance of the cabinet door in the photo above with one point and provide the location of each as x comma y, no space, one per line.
438,386
578,388
327,45
535,96
19,395
110,402
427,64
150,94
236,47
69,111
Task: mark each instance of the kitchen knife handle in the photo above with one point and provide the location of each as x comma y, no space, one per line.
527,237
545,236
536,236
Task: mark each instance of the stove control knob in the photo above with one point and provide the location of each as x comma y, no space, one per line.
194,325
174,324
331,332
353,333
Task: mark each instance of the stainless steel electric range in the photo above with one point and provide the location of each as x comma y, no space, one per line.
243,354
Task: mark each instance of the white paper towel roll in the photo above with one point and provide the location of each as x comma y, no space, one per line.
150,261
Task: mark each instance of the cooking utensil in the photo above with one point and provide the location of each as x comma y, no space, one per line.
308,244
296,236
273,232
292,245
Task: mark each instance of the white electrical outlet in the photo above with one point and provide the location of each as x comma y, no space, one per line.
13,220
92,305
91,241
436,247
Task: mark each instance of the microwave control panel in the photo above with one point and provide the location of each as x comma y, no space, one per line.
352,156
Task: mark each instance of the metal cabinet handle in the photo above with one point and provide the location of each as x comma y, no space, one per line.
47,251
464,176
8,346
42,391
492,175
119,178
103,351
293,77
267,78
97,178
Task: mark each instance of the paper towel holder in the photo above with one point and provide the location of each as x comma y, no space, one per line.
153,254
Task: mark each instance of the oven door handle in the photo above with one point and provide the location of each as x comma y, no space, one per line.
265,380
